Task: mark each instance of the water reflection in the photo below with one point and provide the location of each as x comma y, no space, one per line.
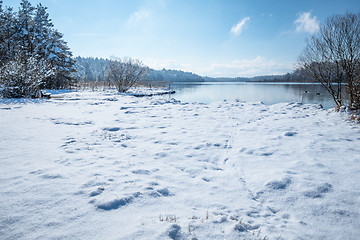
269,93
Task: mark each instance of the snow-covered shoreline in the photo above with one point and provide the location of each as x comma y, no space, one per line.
99,165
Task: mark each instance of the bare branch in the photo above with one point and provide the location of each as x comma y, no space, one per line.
124,74
332,57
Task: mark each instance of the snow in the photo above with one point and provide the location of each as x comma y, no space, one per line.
101,165
52,56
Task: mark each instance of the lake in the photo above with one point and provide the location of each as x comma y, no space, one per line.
268,93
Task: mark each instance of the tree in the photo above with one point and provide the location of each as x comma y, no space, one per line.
124,74
332,57
51,46
43,29
7,31
60,57
28,41
24,30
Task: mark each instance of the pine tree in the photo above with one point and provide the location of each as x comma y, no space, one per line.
7,31
60,57
24,32
33,54
43,29
2,37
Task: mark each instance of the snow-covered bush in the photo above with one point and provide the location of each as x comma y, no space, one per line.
124,74
23,78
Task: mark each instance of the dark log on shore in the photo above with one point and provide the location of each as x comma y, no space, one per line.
152,94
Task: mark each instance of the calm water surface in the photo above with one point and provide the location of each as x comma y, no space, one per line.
268,93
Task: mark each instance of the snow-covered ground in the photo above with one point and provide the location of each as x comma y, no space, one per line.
99,165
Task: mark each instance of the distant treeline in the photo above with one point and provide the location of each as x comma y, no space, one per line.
93,70
296,76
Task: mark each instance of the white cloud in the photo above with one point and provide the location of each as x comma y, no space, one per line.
257,66
139,16
167,64
306,23
237,29
249,67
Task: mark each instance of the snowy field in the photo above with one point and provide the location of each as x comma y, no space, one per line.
99,165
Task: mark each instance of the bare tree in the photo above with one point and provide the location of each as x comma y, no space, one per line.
332,57
124,74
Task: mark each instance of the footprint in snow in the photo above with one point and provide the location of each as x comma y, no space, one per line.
141,172
290,134
68,141
319,191
174,232
112,129
163,192
52,176
206,179
279,185
160,155
117,203
97,192
37,172
153,184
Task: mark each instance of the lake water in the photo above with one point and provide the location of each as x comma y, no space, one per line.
268,93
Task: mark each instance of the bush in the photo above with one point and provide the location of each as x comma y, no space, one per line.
23,78
124,74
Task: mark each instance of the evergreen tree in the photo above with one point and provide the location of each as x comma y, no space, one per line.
24,32
60,58
43,29
32,53
2,37
7,31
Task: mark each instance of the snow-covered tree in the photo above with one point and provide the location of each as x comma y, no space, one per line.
28,38
20,78
124,74
43,29
24,30
7,31
60,57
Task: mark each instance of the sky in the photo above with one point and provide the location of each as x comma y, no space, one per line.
216,38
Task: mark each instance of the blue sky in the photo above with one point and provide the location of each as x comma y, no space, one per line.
209,37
